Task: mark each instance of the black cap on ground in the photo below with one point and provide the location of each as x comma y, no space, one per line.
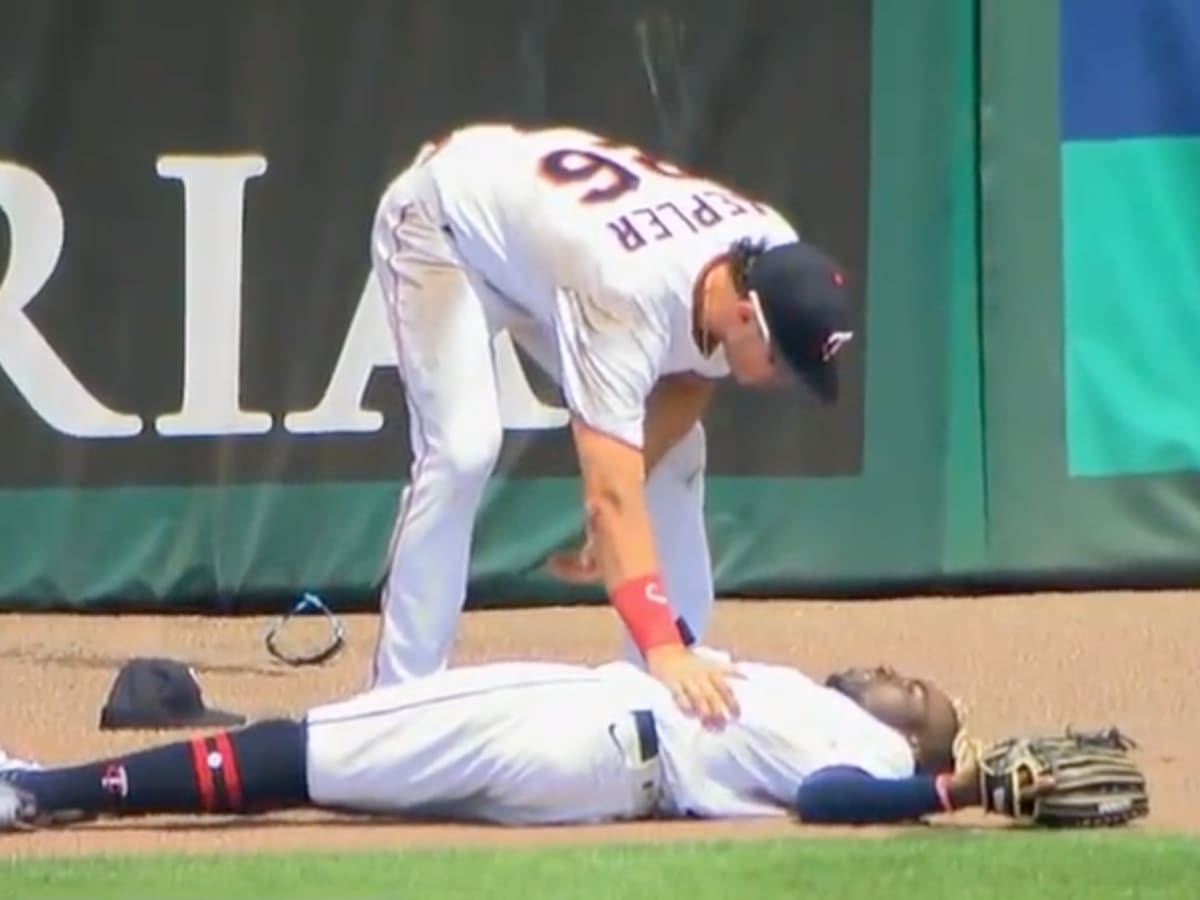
160,693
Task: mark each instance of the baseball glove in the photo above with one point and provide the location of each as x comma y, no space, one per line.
1087,779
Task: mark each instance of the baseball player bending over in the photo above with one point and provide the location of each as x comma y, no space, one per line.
535,743
634,285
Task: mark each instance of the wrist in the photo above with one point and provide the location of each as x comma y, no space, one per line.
642,604
664,652
963,789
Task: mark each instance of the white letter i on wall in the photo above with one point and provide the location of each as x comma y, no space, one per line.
214,201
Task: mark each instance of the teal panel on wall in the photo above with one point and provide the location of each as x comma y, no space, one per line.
1131,273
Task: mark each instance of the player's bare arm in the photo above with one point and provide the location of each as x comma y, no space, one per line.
675,405
613,475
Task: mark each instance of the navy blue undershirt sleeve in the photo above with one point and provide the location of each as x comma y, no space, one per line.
849,796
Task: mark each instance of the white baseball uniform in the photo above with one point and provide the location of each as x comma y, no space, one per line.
545,743
588,252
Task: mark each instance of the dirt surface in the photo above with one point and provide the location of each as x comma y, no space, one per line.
1019,662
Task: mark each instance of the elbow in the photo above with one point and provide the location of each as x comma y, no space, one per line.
607,501
816,804
837,797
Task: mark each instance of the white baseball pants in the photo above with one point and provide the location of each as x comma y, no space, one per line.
507,743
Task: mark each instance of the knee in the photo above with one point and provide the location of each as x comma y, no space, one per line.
468,459
272,759
687,459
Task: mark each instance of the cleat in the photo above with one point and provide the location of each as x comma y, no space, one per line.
18,810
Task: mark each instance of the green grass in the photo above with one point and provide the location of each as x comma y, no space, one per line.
954,866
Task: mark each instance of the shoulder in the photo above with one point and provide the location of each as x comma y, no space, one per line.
761,671
776,692
870,744
775,228
535,141
838,730
634,291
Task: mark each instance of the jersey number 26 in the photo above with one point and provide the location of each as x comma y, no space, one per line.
609,178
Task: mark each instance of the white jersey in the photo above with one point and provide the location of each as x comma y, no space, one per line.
789,727
544,743
601,247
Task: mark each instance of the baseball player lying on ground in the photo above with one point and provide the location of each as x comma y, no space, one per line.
634,285
523,743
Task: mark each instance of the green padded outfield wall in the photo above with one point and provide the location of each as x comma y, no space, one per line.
1090,166
197,405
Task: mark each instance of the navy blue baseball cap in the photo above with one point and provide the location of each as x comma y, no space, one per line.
805,301
151,692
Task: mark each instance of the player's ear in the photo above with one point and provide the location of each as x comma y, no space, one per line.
745,310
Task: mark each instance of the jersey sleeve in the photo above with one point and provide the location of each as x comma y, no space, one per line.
877,751
849,796
611,351
881,753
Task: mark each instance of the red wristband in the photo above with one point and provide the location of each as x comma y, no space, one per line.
643,606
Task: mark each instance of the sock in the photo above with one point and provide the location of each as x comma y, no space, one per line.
255,769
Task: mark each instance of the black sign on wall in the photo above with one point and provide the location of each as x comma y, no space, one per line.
147,337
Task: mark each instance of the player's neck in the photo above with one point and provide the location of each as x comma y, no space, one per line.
710,284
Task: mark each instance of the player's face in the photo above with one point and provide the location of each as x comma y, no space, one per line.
889,696
913,706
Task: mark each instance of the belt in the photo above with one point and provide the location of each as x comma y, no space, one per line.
645,769
647,734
